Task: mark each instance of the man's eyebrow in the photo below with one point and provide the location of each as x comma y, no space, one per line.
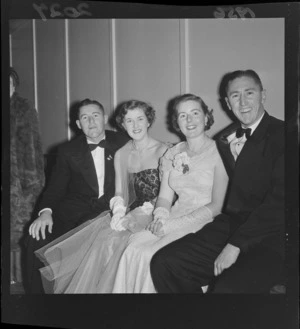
236,91
233,92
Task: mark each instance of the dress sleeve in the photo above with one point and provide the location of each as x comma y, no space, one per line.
166,162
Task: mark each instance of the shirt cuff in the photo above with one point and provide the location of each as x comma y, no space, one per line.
44,210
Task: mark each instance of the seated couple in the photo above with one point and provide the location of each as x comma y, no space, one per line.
151,244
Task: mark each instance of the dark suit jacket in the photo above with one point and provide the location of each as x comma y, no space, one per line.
255,198
72,192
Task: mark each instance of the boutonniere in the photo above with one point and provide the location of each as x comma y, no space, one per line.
181,162
109,158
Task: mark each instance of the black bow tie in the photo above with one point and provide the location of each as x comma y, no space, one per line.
241,131
102,144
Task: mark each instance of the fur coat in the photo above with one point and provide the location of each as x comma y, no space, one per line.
26,165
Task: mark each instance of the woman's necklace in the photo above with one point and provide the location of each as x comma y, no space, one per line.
199,149
141,147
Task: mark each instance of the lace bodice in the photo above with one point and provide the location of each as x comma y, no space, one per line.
190,177
146,186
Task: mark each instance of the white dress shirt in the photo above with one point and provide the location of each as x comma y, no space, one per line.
98,157
237,144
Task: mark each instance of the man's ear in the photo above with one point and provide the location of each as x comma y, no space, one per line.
263,96
227,102
78,124
105,118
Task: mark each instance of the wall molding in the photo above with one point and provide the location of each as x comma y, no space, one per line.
67,58
184,56
10,50
113,65
34,65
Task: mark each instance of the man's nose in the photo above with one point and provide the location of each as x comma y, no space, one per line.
243,100
91,120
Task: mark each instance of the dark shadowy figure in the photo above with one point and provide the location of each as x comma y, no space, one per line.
26,164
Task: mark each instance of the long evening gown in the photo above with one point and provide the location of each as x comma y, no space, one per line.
85,259
194,189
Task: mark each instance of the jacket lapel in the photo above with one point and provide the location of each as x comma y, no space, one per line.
84,160
224,148
109,180
252,155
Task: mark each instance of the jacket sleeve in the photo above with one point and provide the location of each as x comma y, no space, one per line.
39,157
268,218
58,184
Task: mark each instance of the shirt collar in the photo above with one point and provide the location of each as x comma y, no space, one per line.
255,125
252,127
89,142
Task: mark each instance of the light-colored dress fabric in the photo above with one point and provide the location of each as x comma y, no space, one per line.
194,189
85,259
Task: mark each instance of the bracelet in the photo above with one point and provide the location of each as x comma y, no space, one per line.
161,211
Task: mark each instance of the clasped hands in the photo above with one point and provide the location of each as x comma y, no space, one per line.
120,221
156,227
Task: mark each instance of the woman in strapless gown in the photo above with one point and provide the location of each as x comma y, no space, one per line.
85,259
194,171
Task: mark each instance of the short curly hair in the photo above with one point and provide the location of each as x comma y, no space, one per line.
190,97
85,102
132,105
242,73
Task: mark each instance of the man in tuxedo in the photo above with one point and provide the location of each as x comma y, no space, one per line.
81,185
242,250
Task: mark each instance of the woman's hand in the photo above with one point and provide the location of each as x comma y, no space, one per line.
156,227
117,222
118,209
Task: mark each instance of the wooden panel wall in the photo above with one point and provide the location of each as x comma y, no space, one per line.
113,60
51,82
89,61
148,66
220,46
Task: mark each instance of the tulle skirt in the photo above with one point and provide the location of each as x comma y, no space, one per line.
85,259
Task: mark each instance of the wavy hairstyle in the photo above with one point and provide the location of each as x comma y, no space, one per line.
191,97
132,105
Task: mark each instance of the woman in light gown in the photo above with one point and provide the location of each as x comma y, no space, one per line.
195,172
85,259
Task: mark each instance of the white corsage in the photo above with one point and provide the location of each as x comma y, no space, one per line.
181,162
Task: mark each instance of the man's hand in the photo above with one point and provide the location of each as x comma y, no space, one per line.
40,224
227,257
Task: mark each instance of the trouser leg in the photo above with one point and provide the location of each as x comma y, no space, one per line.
33,264
254,272
186,265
